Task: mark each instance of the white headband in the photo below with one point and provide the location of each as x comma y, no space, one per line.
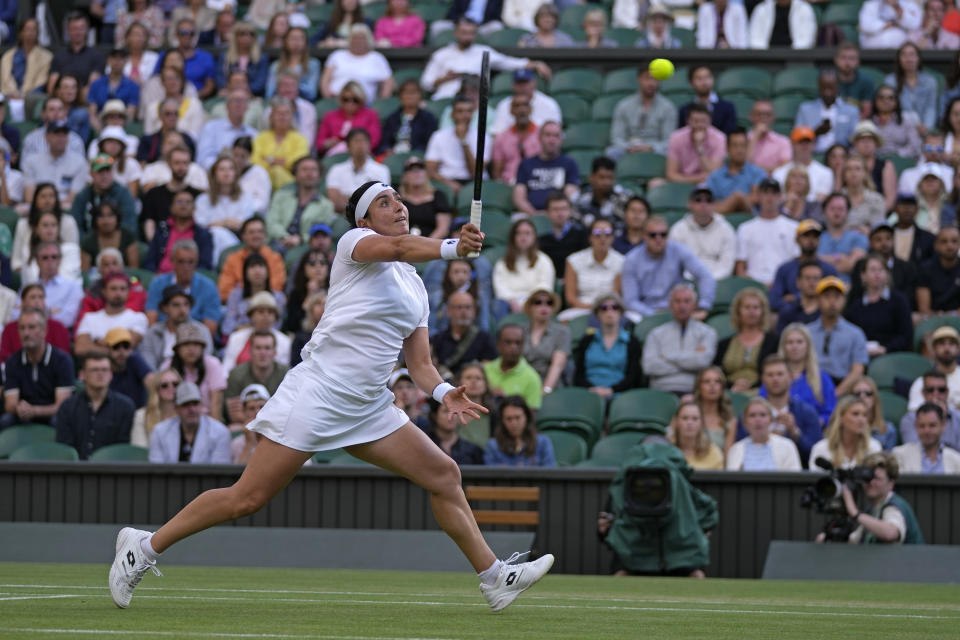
366,199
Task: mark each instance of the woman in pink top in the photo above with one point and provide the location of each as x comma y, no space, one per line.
352,114
399,27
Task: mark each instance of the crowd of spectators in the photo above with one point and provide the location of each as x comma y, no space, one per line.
181,179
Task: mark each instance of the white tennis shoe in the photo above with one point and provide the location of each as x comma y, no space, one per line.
129,565
514,579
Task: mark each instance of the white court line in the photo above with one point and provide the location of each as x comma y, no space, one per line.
39,597
527,597
203,634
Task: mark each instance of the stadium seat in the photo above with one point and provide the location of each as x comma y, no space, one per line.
339,226
323,457
671,195
507,37
477,432
572,409
728,288
572,16
738,218
929,325
751,81
210,103
10,218
677,83
410,73
874,74
641,406
493,253
738,401
373,11
621,80
436,107
679,98
649,323
584,159
324,105
319,13
623,36
796,81
496,226
431,11
134,128
292,257
541,224
440,39
908,366
336,158
686,37
568,448
574,108
45,451
841,13
612,449
578,328
496,194
395,162
121,452
894,407
641,167
785,107
586,83
721,324
900,164
385,106
743,104
597,463
12,438
587,135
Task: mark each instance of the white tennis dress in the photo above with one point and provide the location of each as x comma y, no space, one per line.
338,395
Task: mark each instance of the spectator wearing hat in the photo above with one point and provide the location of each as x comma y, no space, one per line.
804,307
945,343
766,241
253,236
264,314
696,150
321,238
102,188
114,142
819,175
33,63
705,232
429,211
462,341
252,399
345,177
194,365
933,210
93,328
158,341
651,270
657,34
766,148
785,283
32,296
131,375
206,302
86,63
911,243
855,86
541,107
840,245
831,119
297,207
642,121
937,289
38,377
783,23
866,142
516,143
190,436
35,142
66,169
113,86
882,313
903,275
886,24
180,226
723,114
734,183
607,360
409,127
114,114
933,162
262,368
110,261
96,415
841,346
408,397
220,133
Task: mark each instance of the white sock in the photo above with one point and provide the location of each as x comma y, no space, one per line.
147,549
489,576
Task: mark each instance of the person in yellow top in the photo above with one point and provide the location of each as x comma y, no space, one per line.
688,432
277,148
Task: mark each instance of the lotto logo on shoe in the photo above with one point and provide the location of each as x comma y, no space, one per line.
512,578
130,558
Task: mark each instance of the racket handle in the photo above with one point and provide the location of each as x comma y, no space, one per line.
476,209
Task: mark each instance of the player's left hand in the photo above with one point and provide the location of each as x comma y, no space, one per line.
457,403
471,239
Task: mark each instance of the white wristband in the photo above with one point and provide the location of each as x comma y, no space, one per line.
441,390
448,248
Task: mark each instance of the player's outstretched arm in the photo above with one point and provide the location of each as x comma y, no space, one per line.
408,248
416,353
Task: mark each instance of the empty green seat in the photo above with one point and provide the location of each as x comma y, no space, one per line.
12,438
508,37
496,226
612,449
841,13
121,452
677,83
641,406
728,288
582,82
574,108
431,11
738,218
584,159
738,401
572,16
496,194
721,324
641,166
785,107
894,407
742,104
568,448
10,218
572,408
751,81
908,366
604,106
648,323
930,325
796,80
671,195
587,135
45,451
386,106
621,80
623,36
900,164
324,105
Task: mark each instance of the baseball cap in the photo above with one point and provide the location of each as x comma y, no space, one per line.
769,184
700,191
113,106
523,75
906,198
883,224
187,392
113,133
831,282
799,134
101,161
58,126
321,228
397,375
809,226
172,291
117,335
263,300
254,392
945,333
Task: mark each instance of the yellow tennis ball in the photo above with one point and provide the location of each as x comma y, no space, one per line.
661,68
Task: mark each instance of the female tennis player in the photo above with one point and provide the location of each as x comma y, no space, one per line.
337,397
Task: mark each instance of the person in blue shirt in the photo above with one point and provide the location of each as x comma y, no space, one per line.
841,346
185,256
539,176
735,184
810,384
115,85
792,417
608,361
515,441
785,290
840,246
199,66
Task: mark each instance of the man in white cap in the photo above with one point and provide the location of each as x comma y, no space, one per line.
190,436
252,399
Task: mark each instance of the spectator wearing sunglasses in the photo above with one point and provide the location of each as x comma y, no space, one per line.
934,389
131,374
592,272
933,163
607,360
199,66
946,348
841,346
707,234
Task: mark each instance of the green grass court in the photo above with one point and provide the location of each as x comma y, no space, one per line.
72,601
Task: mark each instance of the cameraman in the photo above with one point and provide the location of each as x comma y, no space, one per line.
890,518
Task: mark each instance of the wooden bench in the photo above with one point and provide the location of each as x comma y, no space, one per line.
505,494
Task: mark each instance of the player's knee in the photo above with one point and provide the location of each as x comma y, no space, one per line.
248,502
447,477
